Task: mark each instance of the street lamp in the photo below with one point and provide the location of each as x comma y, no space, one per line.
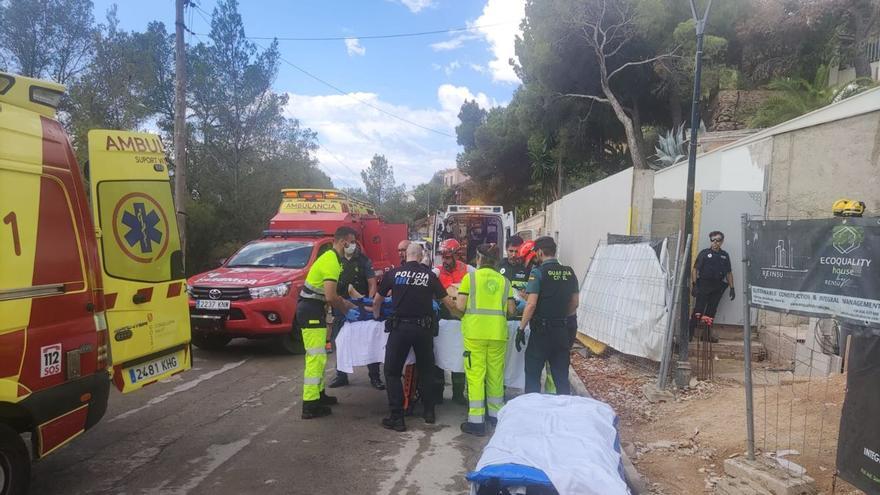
682,371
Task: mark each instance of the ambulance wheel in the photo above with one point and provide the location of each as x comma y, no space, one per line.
209,341
15,464
291,343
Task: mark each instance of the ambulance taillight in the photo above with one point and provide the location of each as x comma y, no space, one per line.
103,355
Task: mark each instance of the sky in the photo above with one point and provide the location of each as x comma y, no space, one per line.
400,96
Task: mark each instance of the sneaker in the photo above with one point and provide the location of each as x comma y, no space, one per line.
430,416
327,400
477,429
393,423
376,382
341,380
312,409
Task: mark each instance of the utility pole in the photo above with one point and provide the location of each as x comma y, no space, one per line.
180,189
682,371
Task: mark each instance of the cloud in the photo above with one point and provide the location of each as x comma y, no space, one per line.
499,25
478,68
415,6
454,43
449,68
351,132
353,47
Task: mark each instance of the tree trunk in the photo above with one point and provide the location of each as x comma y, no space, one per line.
674,101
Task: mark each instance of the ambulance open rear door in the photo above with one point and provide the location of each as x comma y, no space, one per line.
143,276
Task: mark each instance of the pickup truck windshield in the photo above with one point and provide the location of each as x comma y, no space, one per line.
282,254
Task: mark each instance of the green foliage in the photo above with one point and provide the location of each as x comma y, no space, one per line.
670,148
378,178
797,96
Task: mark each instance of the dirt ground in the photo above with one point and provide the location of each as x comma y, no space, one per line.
680,446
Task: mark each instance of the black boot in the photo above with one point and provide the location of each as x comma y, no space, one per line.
430,416
327,400
341,380
394,422
376,382
478,429
313,409
492,421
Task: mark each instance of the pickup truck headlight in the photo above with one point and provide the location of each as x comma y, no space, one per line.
279,290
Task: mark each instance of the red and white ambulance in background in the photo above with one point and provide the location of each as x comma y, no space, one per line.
254,293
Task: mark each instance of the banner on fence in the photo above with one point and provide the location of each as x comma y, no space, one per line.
823,268
858,448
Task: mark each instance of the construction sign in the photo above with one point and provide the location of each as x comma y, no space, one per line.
858,448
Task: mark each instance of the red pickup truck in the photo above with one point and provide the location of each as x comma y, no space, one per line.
254,293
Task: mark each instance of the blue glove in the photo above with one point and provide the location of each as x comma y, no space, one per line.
520,306
353,314
435,305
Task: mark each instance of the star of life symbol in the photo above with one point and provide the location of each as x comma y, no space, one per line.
141,227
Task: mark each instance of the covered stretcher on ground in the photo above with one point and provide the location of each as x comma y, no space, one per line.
545,442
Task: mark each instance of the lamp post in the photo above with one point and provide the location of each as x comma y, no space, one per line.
682,371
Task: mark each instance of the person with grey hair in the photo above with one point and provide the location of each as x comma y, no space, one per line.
413,287
486,299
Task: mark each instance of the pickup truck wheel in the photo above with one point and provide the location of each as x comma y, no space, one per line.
210,342
291,343
15,463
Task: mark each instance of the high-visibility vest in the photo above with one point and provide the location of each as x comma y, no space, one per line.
485,316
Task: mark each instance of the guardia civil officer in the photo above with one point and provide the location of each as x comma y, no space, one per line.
413,288
712,275
318,291
552,300
486,299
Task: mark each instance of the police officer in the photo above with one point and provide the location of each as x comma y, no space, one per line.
413,288
401,250
552,294
357,280
320,289
712,274
486,299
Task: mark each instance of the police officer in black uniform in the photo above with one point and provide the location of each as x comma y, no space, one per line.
358,274
513,267
552,302
413,288
712,274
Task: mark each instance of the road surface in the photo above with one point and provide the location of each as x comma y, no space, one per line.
232,425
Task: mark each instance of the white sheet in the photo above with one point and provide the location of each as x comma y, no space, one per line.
363,342
572,439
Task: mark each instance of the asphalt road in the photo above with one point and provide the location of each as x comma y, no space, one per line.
231,425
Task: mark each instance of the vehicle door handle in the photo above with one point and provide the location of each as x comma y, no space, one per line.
139,298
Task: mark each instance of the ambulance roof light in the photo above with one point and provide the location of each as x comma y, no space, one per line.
46,96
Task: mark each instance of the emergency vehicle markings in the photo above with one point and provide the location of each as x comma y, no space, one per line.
144,225
12,221
50,360
180,388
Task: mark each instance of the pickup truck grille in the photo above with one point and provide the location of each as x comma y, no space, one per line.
226,293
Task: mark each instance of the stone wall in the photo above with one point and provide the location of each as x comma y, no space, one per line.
731,110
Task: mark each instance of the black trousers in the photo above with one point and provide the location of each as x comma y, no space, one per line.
706,300
549,343
400,341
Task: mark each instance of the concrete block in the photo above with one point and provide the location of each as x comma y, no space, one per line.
769,476
738,486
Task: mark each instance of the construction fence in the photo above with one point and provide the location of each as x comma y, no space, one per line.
812,407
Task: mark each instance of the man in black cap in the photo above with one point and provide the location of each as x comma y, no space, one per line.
712,275
552,301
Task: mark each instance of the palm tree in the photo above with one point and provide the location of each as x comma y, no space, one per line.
797,96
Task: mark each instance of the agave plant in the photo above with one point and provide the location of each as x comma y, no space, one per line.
670,148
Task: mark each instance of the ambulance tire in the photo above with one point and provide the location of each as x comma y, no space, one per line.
15,463
291,343
210,342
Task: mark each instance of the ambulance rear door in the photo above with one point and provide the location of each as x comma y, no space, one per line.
144,282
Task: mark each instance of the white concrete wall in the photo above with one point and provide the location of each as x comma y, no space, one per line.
580,219
740,168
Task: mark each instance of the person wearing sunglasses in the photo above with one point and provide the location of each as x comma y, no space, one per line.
401,251
712,275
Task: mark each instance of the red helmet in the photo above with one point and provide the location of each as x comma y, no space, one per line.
449,246
526,252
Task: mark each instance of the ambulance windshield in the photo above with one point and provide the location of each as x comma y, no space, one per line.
276,254
470,231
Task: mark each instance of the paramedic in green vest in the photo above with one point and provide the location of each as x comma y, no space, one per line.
486,299
318,291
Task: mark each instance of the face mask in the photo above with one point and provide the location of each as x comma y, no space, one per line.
350,249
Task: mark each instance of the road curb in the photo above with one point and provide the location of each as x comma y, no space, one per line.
634,479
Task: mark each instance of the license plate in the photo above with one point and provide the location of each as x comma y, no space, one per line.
153,368
210,304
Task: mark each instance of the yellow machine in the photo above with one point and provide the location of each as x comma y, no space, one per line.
848,208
